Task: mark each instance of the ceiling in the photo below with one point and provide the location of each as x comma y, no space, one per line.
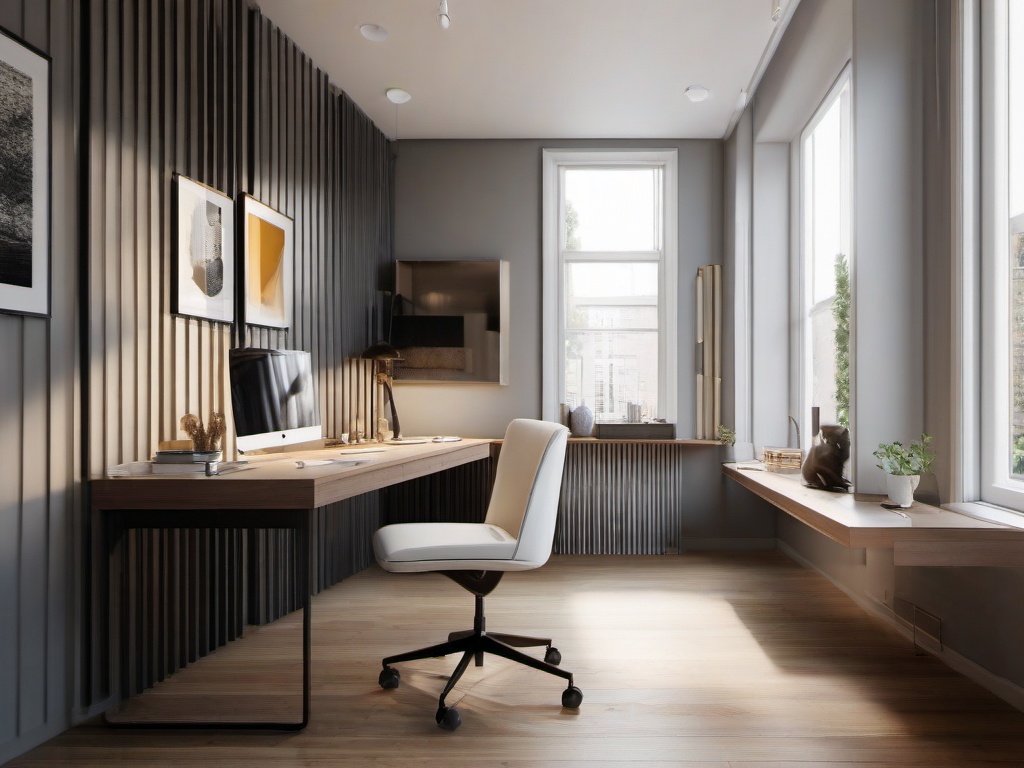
549,69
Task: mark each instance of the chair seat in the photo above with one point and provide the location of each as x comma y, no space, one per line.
419,547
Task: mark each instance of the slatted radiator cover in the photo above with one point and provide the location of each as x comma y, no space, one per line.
621,498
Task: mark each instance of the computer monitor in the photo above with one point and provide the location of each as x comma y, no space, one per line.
273,398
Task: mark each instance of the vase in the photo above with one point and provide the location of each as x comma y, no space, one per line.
901,488
581,421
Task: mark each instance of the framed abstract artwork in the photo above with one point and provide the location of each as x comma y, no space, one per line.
268,253
203,283
24,178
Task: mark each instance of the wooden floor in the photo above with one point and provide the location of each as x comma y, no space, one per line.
694,660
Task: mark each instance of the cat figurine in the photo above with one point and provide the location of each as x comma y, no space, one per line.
824,465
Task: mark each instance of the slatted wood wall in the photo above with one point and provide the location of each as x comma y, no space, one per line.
39,410
212,90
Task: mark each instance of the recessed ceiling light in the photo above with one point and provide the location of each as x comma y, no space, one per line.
374,32
398,95
697,93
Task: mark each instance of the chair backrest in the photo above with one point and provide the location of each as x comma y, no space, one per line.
524,500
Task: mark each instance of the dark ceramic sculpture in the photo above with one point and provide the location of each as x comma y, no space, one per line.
824,465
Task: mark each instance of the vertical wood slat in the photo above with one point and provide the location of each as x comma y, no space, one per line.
621,498
170,96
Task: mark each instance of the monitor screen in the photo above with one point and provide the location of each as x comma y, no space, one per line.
273,398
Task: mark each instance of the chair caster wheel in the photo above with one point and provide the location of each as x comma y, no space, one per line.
553,656
448,718
389,678
572,697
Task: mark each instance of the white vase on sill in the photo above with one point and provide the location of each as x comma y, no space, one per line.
901,488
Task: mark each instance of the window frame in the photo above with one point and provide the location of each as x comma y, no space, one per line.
802,283
553,329
995,484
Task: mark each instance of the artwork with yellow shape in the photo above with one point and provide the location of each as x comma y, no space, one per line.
268,265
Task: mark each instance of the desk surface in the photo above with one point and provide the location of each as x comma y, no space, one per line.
276,483
927,536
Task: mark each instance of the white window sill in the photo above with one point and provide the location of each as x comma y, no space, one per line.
990,513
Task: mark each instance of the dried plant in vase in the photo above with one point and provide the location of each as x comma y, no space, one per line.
204,440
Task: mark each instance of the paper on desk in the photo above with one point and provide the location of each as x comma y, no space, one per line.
131,469
324,462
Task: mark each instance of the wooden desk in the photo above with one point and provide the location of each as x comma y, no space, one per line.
926,536
274,494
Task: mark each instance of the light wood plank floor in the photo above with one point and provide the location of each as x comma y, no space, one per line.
694,660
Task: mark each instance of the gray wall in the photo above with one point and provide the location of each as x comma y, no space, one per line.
210,89
482,200
39,415
903,269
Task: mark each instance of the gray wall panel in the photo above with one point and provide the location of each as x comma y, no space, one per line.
38,412
172,86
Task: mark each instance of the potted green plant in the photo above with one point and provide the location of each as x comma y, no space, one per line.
903,467
727,438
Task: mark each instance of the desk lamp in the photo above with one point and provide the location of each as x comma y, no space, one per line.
383,356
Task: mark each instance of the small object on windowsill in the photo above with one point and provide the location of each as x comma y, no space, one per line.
782,460
751,466
895,508
651,430
445,439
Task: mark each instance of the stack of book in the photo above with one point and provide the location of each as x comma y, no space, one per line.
186,462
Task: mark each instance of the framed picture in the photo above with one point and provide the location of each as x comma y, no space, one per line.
268,253
24,178
203,284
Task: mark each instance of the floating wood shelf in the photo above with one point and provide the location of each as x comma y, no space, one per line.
926,536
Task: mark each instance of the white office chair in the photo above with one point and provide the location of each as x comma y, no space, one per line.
516,535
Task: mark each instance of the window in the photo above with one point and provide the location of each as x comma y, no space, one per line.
610,283
823,328
1002,271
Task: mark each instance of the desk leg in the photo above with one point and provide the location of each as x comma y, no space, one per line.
299,521
304,564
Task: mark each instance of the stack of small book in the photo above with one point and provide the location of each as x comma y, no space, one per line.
186,462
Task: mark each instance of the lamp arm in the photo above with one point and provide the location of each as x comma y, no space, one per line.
395,426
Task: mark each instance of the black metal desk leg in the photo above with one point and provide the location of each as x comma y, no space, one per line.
305,577
300,522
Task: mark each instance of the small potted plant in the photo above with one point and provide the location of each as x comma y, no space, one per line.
727,437
903,467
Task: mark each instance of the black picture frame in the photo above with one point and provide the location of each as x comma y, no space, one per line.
203,267
25,177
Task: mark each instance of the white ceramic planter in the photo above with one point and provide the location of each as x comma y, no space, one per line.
901,488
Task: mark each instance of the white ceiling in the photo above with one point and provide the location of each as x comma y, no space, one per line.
538,68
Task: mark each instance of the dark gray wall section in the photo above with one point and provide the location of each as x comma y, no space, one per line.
38,413
210,89
482,200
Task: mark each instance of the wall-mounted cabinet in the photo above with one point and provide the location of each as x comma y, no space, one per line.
450,321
